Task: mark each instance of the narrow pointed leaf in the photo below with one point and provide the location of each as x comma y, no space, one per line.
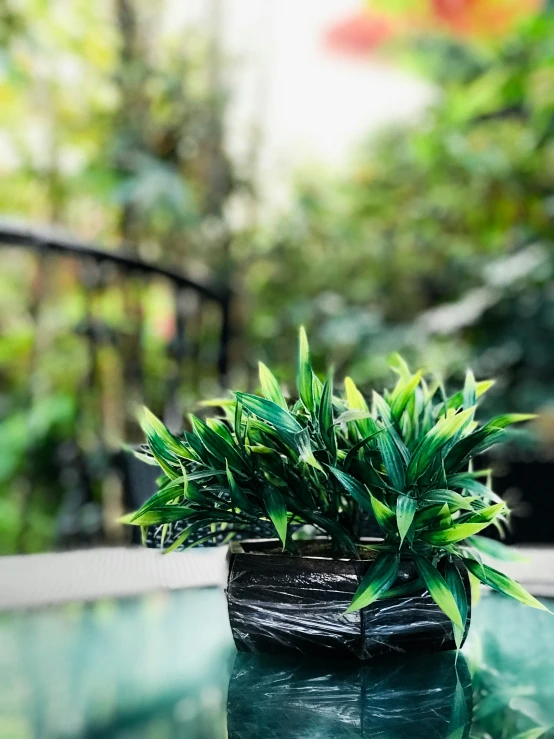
458,532
317,387
403,394
302,440
221,428
442,433
270,387
269,411
503,584
449,496
352,415
438,589
434,516
304,372
497,549
457,400
398,364
151,425
325,418
487,514
352,453
500,422
239,430
406,508
356,489
166,514
238,497
456,586
385,517
356,402
471,445
217,445
276,510
378,579
392,459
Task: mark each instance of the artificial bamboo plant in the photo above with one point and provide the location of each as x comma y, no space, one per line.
273,464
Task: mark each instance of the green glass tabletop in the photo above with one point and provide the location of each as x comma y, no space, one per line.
165,666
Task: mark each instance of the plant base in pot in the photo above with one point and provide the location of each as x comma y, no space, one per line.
296,603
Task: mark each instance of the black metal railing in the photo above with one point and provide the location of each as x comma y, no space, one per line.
100,331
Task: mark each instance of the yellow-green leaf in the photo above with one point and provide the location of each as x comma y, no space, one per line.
378,579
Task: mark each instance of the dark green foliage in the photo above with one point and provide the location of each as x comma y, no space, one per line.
327,460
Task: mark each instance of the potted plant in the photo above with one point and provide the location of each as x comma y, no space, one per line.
300,472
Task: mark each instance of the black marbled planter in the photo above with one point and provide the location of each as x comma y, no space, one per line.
280,603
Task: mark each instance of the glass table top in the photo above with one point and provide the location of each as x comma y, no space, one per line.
165,666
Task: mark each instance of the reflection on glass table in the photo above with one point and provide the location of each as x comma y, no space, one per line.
165,666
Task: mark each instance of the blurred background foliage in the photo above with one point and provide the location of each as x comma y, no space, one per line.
436,240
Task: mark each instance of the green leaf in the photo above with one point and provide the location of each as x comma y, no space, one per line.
277,511
435,515
269,411
407,588
378,579
152,426
352,415
456,586
326,418
303,443
455,533
398,364
443,432
438,589
334,529
352,453
468,482
471,445
184,535
406,508
497,549
385,517
166,514
174,489
221,428
356,489
356,402
270,387
449,496
392,459
500,422
216,445
402,394
239,430
487,514
317,387
304,373
457,400
238,497
382,408
503,584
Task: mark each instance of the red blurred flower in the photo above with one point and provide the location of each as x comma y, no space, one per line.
481,17
359,34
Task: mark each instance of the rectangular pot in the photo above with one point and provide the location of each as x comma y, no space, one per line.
280,603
